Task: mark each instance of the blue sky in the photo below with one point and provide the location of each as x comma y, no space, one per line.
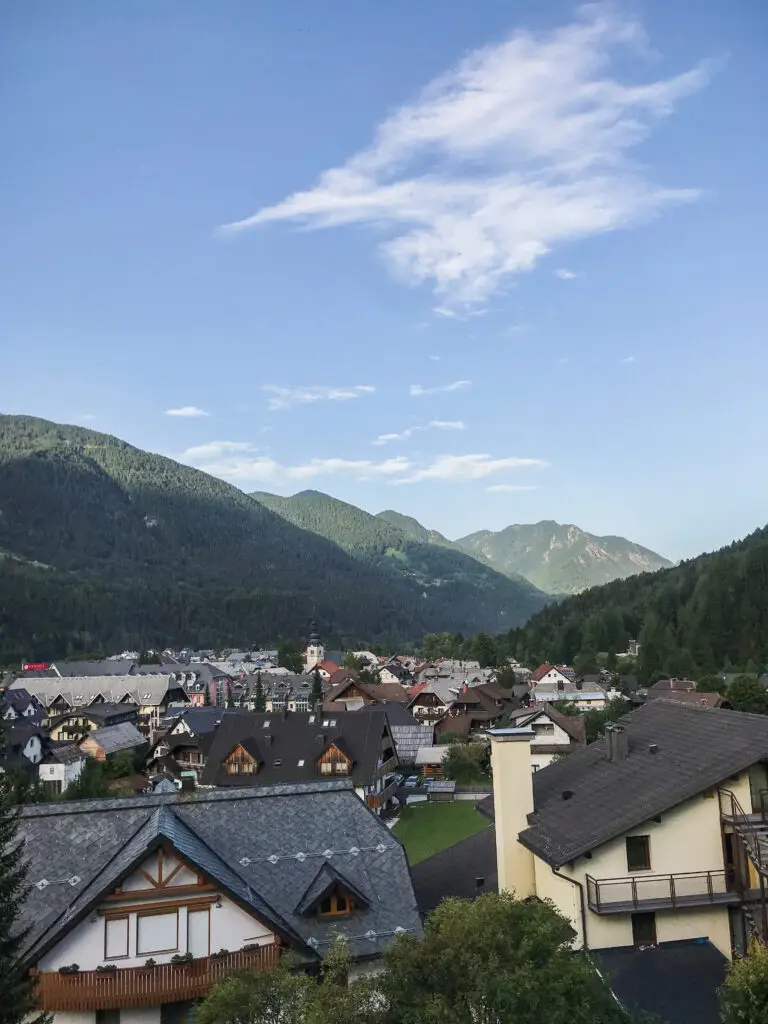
479,261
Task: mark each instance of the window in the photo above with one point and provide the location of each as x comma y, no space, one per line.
644,929
638,853
325,768
115,937
336,905
157,933
544,727
340,767
107,1017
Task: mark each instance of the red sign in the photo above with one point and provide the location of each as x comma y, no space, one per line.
34,666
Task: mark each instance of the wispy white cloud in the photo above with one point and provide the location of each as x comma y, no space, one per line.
287,397
467,467
504,488
405,435
566,275
416,390
629,359
187,411
454,314
247,466
520,148
435,359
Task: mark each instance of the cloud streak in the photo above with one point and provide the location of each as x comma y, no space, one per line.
288,397
566,275
246,465
408,433
187,412
520,148
417,390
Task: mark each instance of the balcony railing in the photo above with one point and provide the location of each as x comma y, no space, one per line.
659,892
386,767
145,986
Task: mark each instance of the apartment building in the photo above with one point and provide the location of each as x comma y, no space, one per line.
657,833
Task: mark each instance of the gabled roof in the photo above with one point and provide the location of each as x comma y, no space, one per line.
80,690
676,751
325,881
64,753
113,738
101,712
262,846
284,740
573,725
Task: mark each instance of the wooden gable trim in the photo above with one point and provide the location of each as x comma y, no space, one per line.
332,753
239,753
157,907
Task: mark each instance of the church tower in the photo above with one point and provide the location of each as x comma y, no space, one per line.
315,652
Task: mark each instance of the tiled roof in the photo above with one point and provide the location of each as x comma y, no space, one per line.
676,751
264,846
113,738
80,690
282,741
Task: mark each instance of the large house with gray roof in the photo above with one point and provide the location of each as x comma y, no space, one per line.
657,833
142,904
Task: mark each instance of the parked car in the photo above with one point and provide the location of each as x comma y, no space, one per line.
412,781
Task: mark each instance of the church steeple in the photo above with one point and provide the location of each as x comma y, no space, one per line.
315,652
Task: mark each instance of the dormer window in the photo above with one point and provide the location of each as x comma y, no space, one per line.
336,904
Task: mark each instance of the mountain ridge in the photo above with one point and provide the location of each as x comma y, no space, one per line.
561,558
377,540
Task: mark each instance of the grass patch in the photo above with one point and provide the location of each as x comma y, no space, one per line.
426,828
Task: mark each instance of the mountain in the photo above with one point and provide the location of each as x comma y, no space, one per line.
104,546
413,529
476,594
700,617
560,559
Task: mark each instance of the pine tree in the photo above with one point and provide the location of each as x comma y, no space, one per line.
259,701
317,689
15,983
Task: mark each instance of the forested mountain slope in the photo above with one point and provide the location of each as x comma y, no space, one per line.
475,592
105,546
560,559
704,615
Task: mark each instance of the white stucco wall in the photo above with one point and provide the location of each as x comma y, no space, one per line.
128,1015
688,838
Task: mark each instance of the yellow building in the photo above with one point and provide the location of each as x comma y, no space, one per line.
654,834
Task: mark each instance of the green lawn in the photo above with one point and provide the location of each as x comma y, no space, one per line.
427,828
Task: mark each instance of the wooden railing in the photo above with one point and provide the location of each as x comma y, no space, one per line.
145,986
636,892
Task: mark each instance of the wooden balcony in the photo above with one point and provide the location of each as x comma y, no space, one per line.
659,892
145,986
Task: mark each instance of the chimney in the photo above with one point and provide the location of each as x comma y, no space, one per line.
513,802
616,743
320,739
268,739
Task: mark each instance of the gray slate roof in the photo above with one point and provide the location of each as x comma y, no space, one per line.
697,748
265,847
112,738
81,690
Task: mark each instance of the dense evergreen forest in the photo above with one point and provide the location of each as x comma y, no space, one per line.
104,546
702,616
393,545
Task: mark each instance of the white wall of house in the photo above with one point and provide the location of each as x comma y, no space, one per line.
128,1015
62,774
33,749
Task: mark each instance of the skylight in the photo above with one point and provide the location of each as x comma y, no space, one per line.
301,764
265,725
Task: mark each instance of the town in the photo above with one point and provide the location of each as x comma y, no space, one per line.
638,813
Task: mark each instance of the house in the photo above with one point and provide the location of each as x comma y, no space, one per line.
349,688
150,694
582,700
707,700
556,676
60,767
264,749
325,669
74,725
429,761
20,704
393,672
102,744
429,705
125,888
25,745
664,687
653,835
408,733
555,734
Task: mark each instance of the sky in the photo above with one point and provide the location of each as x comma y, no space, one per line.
483,262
